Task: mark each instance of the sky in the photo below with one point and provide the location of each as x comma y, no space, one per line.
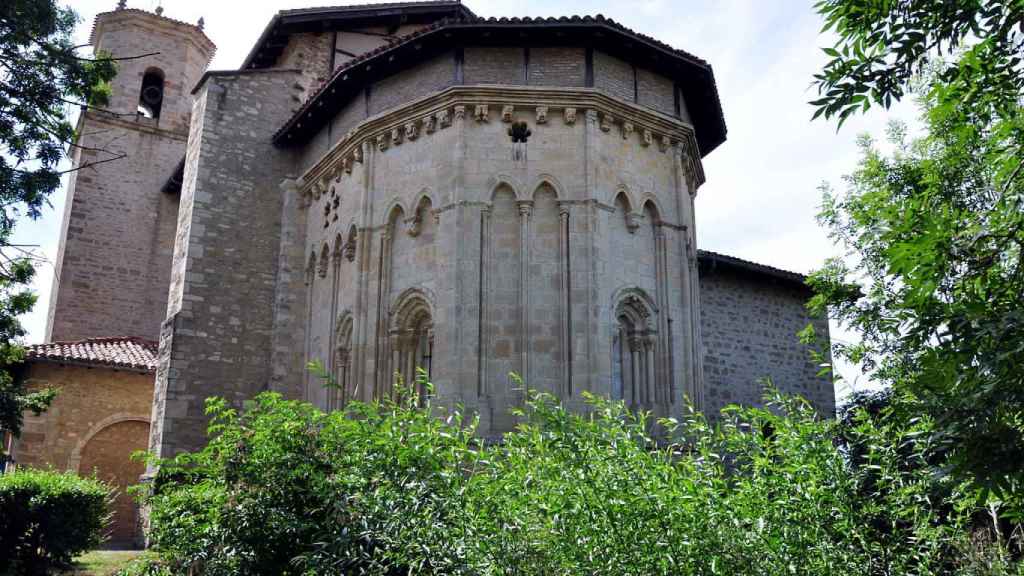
762,191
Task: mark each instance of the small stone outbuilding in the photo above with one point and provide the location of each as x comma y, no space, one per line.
99,418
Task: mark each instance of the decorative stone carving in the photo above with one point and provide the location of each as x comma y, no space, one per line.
606,122
520,132
632,222
665,143
412,130
460,113
357,154
570,116
627,130
507,113
319,187
348,165
396,136
591,116
349,251
481,113
413,225
647,138
542,114
382,142
429,124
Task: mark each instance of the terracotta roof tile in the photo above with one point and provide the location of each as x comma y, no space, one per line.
135,353
714,258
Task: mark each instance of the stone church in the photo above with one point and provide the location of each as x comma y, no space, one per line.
389,187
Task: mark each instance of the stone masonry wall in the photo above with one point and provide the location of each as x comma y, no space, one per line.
217,336
99,418
749,326
117,239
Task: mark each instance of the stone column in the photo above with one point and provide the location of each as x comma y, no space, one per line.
524,290
384,380
484,331
649,364
395,365
636,384
566,311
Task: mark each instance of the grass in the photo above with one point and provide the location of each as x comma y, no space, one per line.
103,562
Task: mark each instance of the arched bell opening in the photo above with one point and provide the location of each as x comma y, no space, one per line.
151,97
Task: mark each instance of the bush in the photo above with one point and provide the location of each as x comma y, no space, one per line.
48,518
391,488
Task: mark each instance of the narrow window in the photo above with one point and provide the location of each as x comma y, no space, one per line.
152,96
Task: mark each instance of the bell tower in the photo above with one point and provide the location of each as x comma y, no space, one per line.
120,216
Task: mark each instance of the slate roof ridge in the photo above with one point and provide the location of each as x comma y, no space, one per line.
373,6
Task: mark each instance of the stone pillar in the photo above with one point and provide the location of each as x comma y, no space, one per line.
649,365
635,385
524,290
566,338
484,331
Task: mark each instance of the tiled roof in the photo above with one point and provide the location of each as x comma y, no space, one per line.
714,259
135,353
539,22
374,6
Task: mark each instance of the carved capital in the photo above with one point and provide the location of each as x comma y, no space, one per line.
563,211
349,250
632,222
413,225
507,113
481,113
525,207
570,116
542,114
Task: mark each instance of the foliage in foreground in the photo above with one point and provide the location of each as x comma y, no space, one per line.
40,75
48,518
393,489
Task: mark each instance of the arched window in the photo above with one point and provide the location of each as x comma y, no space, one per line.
633,351
412,339
151,97
343,363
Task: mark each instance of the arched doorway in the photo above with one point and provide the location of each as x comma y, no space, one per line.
108,453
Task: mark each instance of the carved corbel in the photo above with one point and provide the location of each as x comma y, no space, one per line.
429,124
481,113
606,122
507,112
665,143
627,130
542,114
357,154
396,136
382,142
412,130
569,115
348,165
460,113
319,187
647,138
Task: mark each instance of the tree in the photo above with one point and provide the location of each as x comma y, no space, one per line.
934,279
41,75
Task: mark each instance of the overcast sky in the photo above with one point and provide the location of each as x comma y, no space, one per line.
761,194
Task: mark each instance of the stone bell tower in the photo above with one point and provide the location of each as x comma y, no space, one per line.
113,265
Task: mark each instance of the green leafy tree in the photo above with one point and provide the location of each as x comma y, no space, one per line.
934,275
41,76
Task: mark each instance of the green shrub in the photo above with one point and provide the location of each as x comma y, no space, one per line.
47,518
391,488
